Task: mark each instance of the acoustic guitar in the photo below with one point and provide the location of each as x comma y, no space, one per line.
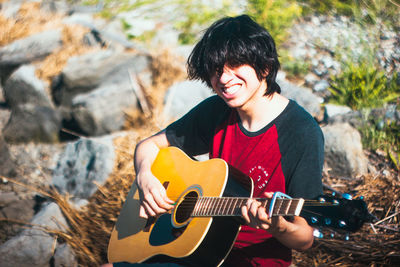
206,218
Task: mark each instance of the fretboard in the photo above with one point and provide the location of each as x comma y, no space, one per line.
231,206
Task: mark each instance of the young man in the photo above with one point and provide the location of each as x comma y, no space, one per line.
252,127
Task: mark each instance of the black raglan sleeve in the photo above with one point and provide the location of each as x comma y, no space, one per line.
302,147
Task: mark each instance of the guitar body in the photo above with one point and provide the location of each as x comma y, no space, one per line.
202,241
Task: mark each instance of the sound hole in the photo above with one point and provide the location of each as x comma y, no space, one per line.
185,207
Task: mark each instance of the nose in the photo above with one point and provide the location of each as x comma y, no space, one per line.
226,76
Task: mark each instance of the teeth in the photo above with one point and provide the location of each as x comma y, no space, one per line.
233,89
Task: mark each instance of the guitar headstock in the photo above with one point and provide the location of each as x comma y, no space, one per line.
340,213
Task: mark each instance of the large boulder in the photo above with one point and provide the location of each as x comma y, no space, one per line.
183,96
103,110
31,48
33,117
343,150
82,164
92,70
29,123
23,87
303,96
34,246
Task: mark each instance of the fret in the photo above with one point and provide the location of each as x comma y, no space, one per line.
226,206
196,207
217,204
206,206
285,207
213,207
232,206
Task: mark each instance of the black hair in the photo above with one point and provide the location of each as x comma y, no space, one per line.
235,41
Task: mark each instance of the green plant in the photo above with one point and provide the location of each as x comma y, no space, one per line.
363,85
382,133
277,16
294,67
196,16
112,8
342,7
365,11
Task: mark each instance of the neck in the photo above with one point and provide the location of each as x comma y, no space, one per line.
261,112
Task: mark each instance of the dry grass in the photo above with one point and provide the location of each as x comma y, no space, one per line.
73,45
29,20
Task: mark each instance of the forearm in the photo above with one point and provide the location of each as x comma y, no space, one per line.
296,235
147,150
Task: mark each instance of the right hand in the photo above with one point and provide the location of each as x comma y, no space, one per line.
153,196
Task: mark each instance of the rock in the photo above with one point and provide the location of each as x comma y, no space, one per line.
343,150
31,48
12,207
321,86
332,110
84,73
7,165
29,123
64,256
34,246
102,111
82,163
24,87
303,96
183,96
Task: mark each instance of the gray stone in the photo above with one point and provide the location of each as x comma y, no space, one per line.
321,86
31,48
303,96
7,165
24,87
82,163
34,246
102,111
183,96
332,110
83,73
64,256
29,123
343,150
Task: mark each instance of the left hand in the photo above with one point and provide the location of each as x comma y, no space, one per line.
256,216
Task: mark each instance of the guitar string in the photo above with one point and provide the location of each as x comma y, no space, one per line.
306,203
188,202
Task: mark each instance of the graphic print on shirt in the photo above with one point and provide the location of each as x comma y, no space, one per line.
260,175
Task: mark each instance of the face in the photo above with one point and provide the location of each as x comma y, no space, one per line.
238,86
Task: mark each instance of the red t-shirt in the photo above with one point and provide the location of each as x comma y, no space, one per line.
286,156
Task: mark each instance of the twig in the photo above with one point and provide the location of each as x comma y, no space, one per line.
387,218
138,90
388,228
26,186
373,228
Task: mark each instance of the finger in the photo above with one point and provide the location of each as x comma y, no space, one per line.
245,214
161,199
151,206
142,213
149,211
253,209
262,214
268,194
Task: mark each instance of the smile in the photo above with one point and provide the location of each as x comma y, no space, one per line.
231,89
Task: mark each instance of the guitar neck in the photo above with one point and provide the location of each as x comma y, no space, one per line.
231,206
